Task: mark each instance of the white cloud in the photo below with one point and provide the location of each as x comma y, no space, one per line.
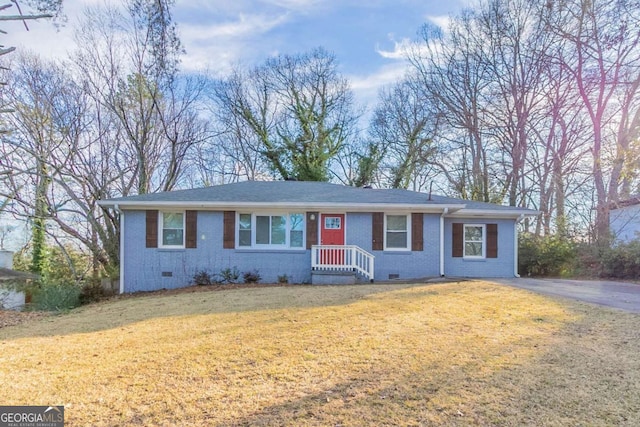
441,21
400,49
219,46
366,87
244,26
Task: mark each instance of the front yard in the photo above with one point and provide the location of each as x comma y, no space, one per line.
468,353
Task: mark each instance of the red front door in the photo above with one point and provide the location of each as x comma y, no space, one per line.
332,233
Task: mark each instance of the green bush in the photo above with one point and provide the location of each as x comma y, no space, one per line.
230,275
546,256
622,261
55,296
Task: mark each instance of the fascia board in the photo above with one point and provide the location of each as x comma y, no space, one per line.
347,207
493,213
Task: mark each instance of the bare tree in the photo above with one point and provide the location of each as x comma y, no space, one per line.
602,52
296,111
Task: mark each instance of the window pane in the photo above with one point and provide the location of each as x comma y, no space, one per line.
295,236
296,221
473,249
262,230
296,239
396,240
332,223
244,238
397,222
473,233
278,230
245,221
172,220
172,237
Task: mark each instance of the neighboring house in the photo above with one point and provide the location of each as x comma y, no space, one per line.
293,228
10,280
624,219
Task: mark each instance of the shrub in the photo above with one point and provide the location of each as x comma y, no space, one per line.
92,291
251,276
283,279
546,256
55,296
230,275
203,277
622,261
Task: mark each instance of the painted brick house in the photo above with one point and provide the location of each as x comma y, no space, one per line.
300,229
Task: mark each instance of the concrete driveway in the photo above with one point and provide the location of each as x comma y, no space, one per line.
621,295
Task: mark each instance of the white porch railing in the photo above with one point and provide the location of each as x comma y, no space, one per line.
342,258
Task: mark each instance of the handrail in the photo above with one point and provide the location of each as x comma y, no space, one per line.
343,258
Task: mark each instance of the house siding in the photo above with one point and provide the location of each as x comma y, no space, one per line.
502,266
403,264
147,269
625,223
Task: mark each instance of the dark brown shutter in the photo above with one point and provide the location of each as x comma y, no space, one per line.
191,232
152,229
377,231
457,240
417,241
492,240
229,233
312,229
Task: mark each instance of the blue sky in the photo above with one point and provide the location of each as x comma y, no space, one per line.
217,34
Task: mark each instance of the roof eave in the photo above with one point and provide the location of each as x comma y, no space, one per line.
494,213
351,207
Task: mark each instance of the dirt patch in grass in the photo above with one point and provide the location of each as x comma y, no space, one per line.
13,317
470,353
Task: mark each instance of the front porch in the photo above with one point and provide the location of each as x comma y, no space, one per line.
341,264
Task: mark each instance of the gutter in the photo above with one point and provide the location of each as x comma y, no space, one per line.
515,245
116,208
444,212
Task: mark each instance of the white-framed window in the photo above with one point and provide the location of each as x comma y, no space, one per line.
396,232
332,223
474,241
270,230
171,229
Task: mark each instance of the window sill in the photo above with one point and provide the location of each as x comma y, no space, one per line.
397,252
474,259
271,250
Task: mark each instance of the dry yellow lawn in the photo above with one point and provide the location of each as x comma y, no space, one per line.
468,353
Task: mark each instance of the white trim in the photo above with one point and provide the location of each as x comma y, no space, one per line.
161,244
515,246
493,213
408,231
307,206
484,241
442,241
121,213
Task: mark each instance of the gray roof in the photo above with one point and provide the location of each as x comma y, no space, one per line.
305,194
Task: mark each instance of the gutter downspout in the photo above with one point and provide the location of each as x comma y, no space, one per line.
444,212
515,245
121,214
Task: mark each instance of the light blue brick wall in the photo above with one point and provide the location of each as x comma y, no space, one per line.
405,264
503,266
143,267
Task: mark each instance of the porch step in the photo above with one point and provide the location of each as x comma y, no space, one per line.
327,277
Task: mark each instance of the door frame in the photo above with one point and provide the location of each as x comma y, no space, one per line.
343,217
